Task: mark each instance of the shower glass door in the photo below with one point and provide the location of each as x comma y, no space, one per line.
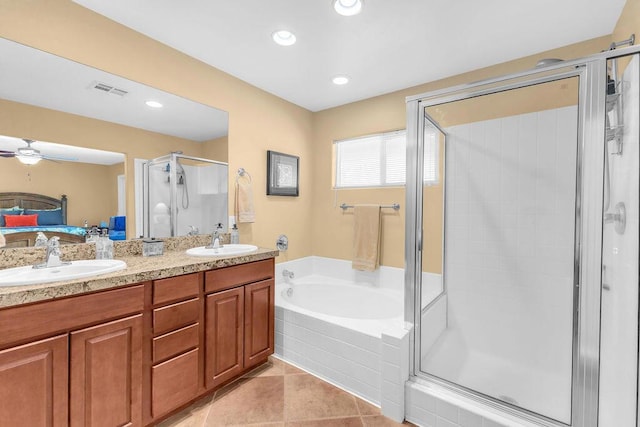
183,195
499,233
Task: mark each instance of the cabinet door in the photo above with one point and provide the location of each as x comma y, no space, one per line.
106,374
33,384
223,336
258,322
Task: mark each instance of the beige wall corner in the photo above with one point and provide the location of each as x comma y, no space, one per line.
258,121
629,22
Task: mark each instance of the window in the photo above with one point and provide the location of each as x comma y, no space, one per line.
380,160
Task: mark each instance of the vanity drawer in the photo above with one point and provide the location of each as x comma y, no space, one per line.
176,288
49,317
176,342
174,382
229,277
175,316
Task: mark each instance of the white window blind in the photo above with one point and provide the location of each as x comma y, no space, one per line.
380,160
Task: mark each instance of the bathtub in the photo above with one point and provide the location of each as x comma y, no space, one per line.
346,327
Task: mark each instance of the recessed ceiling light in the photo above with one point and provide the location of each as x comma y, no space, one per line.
348,7
153,104
284,37
340,80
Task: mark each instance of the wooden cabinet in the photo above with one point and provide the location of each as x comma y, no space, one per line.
106,374
82,376
258,321
224,328
239,319
33,384
132,355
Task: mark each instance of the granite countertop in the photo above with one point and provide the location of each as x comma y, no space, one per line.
173,262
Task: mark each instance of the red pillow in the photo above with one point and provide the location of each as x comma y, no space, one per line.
21,220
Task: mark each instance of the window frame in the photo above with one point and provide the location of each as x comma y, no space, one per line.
382,173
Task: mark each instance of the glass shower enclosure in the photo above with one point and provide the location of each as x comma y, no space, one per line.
522,264
183,195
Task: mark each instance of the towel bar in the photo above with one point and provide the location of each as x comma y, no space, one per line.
395,206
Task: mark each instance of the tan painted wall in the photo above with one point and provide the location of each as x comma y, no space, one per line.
258,121
628,23
385,113
216,149
89,188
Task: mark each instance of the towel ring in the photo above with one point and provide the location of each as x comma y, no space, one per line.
243,173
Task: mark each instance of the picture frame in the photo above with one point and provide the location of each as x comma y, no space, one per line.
282,174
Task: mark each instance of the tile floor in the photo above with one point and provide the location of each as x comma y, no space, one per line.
279,394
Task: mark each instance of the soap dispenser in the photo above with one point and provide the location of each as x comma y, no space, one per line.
235,235
104,246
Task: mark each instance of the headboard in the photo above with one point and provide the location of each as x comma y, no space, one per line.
34,201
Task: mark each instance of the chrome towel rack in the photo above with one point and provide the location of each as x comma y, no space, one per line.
243,173
395,206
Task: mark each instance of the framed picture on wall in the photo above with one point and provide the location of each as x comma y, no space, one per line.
282,174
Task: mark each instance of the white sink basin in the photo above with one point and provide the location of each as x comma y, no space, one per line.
28,275
230,249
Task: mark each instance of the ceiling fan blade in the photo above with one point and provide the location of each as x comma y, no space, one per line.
4,153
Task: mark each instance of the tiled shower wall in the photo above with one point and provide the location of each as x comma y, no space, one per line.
510,246
619,339
510,219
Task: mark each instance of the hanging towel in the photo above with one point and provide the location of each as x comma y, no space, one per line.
366,237
244,202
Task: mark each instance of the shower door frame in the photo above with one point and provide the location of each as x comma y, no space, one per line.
592,73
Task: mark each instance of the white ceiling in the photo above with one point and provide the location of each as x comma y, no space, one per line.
60,152
38,78
391,45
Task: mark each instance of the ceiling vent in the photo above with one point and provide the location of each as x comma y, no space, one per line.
103,87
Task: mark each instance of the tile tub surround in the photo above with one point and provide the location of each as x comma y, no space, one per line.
279,394
364,356
174,262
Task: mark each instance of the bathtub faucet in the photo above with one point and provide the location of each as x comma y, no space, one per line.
287,274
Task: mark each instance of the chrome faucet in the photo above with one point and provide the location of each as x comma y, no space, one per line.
52,257
216,238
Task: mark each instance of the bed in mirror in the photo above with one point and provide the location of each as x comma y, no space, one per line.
67,112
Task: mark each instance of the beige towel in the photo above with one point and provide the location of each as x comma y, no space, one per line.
244,202
366,237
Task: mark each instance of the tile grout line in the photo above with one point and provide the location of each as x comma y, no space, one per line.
355,402
284,395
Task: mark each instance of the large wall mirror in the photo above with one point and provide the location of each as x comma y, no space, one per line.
90,127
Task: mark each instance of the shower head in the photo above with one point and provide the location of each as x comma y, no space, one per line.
547,61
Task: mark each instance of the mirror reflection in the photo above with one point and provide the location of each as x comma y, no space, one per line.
184,195
65,107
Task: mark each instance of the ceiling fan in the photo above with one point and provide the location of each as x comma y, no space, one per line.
29,155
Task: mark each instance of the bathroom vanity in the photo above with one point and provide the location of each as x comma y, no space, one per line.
134,352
